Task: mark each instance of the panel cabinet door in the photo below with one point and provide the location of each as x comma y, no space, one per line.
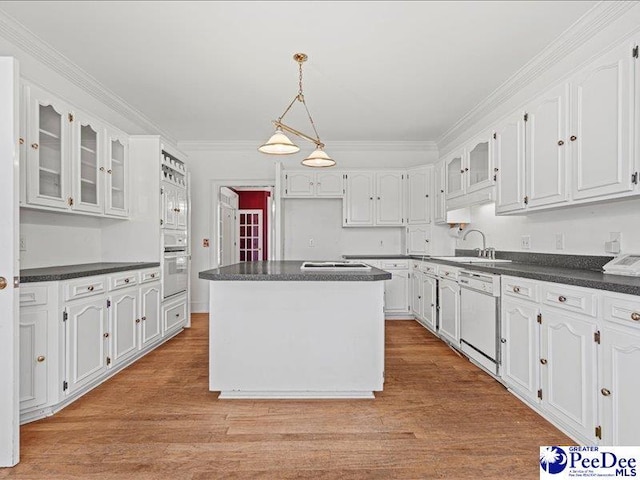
416,294
87,343
169,206
520,348
88,171
117,159
299,184
569,371
396,292
418,199
48,160
390,198
440,215
33,358
619,392
124,325
182,206
359,203
546,148
449,293
601,126
329,184
150,314
428,294
454,176
418,241
478,171
509,155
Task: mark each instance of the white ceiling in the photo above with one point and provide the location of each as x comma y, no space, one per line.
388,71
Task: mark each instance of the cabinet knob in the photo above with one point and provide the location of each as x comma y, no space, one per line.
105,334
543,361
446,274
153,275
562,299
177,314
573,138
370,198
34,146
426,240
3,283
466,169
137,320
635,316
441,191
144,318
516,289
419,297
102,169
605,392
503,340
90,288
40,359
109,171
461,170
560,142
126,280
21,141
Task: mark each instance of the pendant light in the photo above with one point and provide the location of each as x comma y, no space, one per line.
280,144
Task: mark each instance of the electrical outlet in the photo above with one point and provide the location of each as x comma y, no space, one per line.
311,243
205,242
381,243
23,243
525,242
559,241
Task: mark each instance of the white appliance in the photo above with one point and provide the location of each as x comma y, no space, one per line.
627,264
175,241
480,319
175,275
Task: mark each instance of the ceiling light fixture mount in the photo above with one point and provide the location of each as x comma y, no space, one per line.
280,144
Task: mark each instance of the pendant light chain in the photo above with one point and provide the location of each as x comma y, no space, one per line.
301,98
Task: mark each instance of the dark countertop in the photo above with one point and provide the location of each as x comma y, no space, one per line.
66,272
288,271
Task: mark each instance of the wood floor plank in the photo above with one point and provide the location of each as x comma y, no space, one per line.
438,417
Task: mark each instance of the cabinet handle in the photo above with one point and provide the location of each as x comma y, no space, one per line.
378,198
177,314
441,191
466,169
90,288
562,299
461,170
34,146
40,359
560,142
109,171
503,340
426,240
105,334
516,289
102,169
419,297
137,320
605,392
126,280
153,275
543,361
310,183
144,318
573,138
635,316
370,198
446,274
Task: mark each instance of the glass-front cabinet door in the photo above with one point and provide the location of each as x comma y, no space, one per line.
48,131
454,175
478,171
117,175
88,168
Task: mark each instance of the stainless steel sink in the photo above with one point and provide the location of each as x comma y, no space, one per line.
471,259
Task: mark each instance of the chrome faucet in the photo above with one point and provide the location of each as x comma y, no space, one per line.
484,251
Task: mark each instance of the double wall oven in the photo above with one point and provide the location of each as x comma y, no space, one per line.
176,263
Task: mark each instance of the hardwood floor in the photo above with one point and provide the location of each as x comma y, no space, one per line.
438,417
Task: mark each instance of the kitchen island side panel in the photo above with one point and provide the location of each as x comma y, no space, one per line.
296,337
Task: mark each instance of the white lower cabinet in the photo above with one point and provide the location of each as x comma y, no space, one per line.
568,372
416,294
520,348
396,292
428,293
87,342
124,325
150,317
174,314
33,358
449,294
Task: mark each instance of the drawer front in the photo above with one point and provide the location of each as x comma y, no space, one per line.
572,299
148,276
175,315
123,280
520,288
30,296
450,273
623,310
394,264
85,288
429,268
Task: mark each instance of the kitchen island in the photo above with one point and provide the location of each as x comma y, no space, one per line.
277,331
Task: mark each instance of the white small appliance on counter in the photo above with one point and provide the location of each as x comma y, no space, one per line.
626,264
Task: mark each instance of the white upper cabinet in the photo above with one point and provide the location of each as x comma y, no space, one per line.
374,199
418,196
509,157
547,147
311,184
88,165
601,126
48,161
418,239
117,174
440,210
389,198
454,179
478,168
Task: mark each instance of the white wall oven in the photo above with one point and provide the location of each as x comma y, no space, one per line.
176,269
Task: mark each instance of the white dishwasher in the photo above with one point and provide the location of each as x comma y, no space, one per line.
480,319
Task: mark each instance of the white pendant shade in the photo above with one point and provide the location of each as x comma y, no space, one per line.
319,159
279,144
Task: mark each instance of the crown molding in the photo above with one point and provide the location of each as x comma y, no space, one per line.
594,20
343,146
23,38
